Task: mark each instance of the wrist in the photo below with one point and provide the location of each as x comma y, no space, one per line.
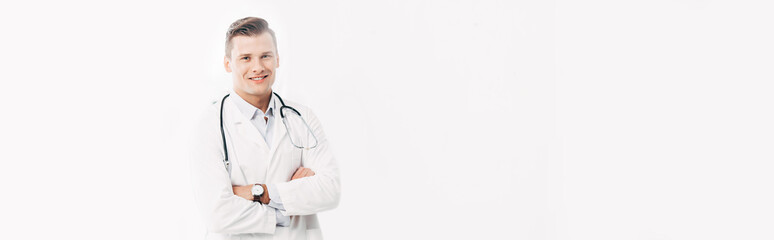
256,192
265,198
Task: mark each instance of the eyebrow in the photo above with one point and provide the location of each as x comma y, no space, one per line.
248,54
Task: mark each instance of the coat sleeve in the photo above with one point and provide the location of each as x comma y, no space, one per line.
317,193
223,211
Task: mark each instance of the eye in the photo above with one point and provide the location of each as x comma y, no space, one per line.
246,58
266,56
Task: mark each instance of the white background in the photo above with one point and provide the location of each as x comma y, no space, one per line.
450,119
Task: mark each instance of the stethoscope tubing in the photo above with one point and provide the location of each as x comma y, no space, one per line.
226,162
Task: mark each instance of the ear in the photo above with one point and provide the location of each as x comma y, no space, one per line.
278,60
226,62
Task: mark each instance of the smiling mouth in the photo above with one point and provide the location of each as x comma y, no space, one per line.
259,78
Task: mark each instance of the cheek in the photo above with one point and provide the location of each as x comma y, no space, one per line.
240,69
238,73
270,64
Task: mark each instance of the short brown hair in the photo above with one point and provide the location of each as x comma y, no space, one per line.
249,26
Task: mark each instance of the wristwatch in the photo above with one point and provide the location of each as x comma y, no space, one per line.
257,192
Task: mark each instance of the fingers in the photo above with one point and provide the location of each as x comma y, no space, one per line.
297,174
308,172
302,172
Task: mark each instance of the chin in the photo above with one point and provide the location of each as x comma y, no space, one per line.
259,92
254,89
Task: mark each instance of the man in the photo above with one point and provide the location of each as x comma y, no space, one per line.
269,187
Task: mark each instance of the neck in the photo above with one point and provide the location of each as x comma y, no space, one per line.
260,102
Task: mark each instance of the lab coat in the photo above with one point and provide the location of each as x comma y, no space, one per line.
228,216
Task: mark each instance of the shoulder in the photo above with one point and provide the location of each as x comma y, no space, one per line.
209,114
307,114
298,106
305,111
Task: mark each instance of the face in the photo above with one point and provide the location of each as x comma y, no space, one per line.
252,65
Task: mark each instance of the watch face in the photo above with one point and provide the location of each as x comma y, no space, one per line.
257,190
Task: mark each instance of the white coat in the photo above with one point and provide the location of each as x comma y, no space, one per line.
228,216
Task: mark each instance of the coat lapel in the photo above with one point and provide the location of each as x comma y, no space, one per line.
247,133
244,134
244,129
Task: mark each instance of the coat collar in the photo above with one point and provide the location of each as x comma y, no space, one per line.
250,111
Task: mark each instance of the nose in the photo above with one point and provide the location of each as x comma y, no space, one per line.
257,67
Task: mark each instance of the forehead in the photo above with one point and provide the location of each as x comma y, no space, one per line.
252,44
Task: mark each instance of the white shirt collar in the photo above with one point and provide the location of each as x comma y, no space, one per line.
250,111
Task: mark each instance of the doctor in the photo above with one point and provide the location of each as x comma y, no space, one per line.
273,188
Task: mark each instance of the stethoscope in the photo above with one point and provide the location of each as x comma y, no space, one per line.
284,107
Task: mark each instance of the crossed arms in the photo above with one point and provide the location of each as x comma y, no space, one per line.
246,193
229,209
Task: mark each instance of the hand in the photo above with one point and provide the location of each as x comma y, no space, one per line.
302,172
245,192
265,199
